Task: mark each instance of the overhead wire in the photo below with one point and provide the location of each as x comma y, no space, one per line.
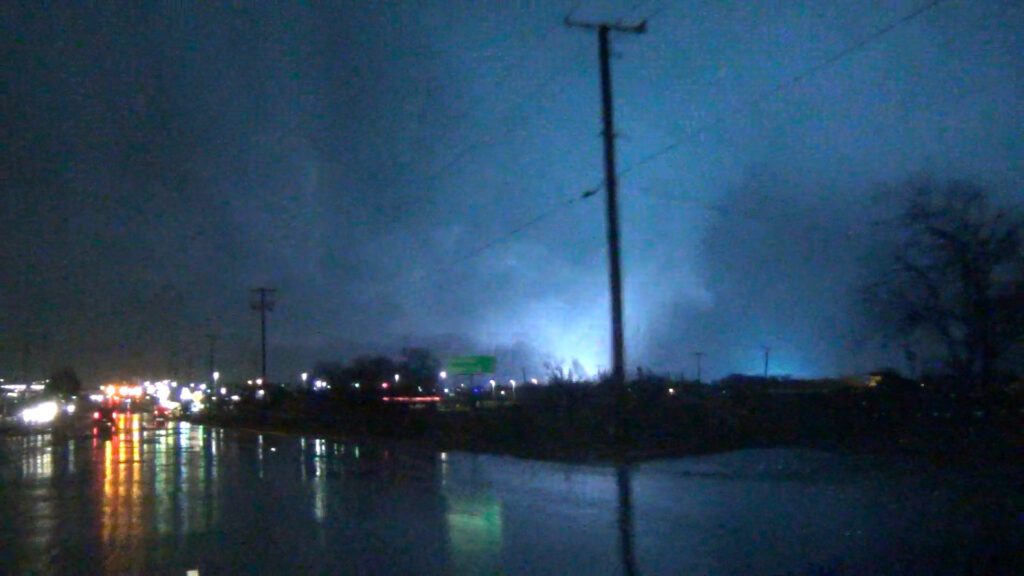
522,227
789,82
799,77
462,152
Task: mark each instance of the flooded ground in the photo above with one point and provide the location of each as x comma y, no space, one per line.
166,500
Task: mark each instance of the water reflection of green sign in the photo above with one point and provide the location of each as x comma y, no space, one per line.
474,532
471,364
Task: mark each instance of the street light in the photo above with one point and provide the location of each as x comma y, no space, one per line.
216,376
304,376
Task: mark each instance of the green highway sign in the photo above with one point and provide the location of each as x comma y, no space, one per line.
471,364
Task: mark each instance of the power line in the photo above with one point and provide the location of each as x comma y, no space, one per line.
501,239
857,46
801,76
462,152
845,52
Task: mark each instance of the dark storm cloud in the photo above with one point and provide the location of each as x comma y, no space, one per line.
780,258
385,166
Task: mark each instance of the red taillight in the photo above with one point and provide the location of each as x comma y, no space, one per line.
95,415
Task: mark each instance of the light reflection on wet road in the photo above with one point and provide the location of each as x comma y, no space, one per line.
163,500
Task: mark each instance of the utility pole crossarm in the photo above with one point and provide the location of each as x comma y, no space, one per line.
614,27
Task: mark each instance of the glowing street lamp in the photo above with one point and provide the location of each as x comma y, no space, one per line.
216,376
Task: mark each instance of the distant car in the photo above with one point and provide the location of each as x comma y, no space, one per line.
161,412
103,421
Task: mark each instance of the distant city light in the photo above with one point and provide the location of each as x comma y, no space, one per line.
40,413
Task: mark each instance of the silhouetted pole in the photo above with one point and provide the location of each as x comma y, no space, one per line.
699,355
262,299
611,185
767,351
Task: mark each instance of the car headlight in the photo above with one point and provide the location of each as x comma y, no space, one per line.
40,413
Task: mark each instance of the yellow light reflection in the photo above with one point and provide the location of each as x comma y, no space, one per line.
122,508
163,487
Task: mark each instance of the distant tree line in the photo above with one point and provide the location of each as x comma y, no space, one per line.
371,377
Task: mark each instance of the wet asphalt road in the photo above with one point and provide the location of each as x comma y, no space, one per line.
180,497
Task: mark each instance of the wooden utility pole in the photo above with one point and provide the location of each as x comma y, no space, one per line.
699,356
611,185
262,299
767,352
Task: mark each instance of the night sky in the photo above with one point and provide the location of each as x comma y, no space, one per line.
413,174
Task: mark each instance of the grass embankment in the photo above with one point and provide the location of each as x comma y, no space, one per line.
585,430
